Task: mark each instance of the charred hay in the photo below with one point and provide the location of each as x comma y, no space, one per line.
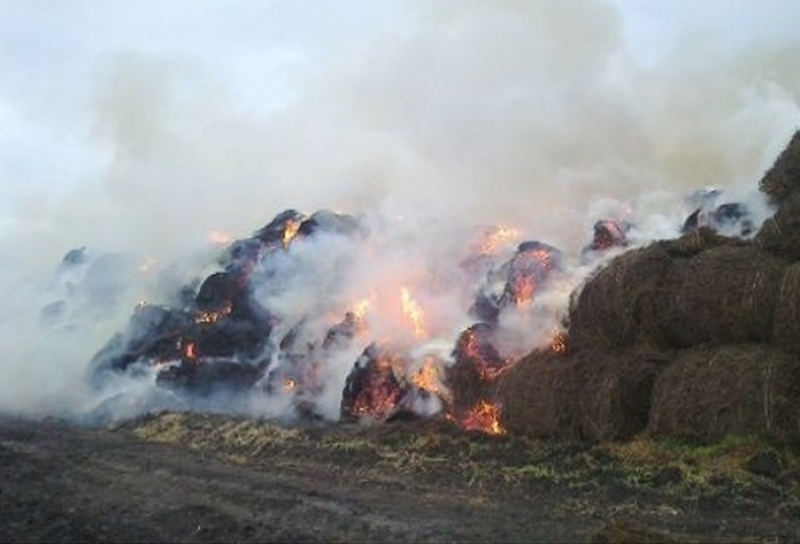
593,395
709,392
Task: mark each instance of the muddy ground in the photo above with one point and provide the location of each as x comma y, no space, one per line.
205,478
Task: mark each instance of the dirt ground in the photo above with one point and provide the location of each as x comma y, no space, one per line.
207,478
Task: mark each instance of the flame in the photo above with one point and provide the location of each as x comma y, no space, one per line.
428,378
213,316
499,236
360,310
290,231
484,417
558,341
414,312
289,385
524,290
190,351
219,238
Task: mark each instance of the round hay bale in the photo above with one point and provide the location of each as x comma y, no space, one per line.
585,396
741,389
724,294
786,321
535,396
780,234
783,178
614,307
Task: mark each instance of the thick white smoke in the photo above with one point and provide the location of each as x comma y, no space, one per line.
140,131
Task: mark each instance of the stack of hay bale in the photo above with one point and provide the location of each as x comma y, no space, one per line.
694,338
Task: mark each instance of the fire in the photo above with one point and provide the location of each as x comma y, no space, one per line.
414,312
428,378
524,290
498,237
289,385
360,310
213,316
558,341
190,351
484,417
290,231
219,238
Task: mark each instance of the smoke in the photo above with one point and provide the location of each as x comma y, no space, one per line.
428,118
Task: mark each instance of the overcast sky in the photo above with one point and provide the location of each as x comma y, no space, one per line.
195,115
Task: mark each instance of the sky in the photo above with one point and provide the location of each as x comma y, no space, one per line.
148,127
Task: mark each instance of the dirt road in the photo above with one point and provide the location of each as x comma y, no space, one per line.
197,478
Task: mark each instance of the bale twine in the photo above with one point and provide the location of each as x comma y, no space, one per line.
614,307
592,395
786,321
741,389
724,294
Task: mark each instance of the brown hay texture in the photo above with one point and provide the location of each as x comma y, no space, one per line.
615,306
709,392
780,234
584,396
783,178
724,294
786,322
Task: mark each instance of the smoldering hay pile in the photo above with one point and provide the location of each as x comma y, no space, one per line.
695,338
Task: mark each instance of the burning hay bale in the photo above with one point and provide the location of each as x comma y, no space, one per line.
477,365
517,280
615,307
600,395
712,391
724,294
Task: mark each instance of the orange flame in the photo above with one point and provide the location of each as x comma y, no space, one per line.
485,417
558,341
213,316
427,377
497,237
414,312
290,231
360,309
190,351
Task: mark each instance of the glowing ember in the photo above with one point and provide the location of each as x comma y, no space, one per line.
289,385
290,231
414,312
360,310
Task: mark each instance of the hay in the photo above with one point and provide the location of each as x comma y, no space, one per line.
614,307
786,322
584,396
708,393
783,178
724,294
780,234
